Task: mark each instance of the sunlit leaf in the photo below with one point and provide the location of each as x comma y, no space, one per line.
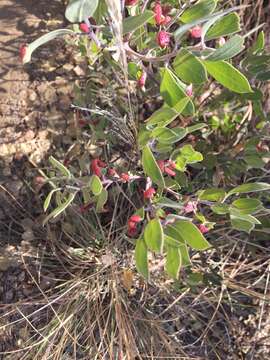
141,258
154,236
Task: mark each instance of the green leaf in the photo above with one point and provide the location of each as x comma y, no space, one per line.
259,43
154,236
175,240
241,224
190,154
79,10
60,208
254,161
263,76
215,16
43,40
229,24
151,167
249,188
187,156
231,48
247,206
133,70
101,200
49,198
59,166
173,262
101,12
133,23
95,185
168,136
194,279
162,117
166,202
197,11
191,235
189,68
228,76
213,194
166,115
172,91
199,126
163,148
220,209
141,258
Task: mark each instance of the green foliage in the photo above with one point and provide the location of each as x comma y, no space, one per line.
95,185
154,236
231,48
151,167
191,235
173,261
133,23
141,257
43,40
188,145
185,61
199,10
79,10
227,25
228,76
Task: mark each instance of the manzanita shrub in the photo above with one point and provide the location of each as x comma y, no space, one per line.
184,57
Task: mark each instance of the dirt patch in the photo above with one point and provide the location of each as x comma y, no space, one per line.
34,113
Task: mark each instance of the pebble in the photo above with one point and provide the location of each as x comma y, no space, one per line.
9,295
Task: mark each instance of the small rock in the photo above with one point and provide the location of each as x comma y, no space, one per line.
29,135
27,290
15,186
64,102
6,171
28,235
27,224
5,263
68,67
9,295
79,71
32,95
50,95
21,276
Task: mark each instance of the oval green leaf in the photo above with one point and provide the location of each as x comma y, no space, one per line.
189,68
173,262
229,24
231,48
249,188
141,258
228,76
191,235
154,236
247,206
133,23
173,90
96,185
213,194
151,167
168,136
197,11
79,10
